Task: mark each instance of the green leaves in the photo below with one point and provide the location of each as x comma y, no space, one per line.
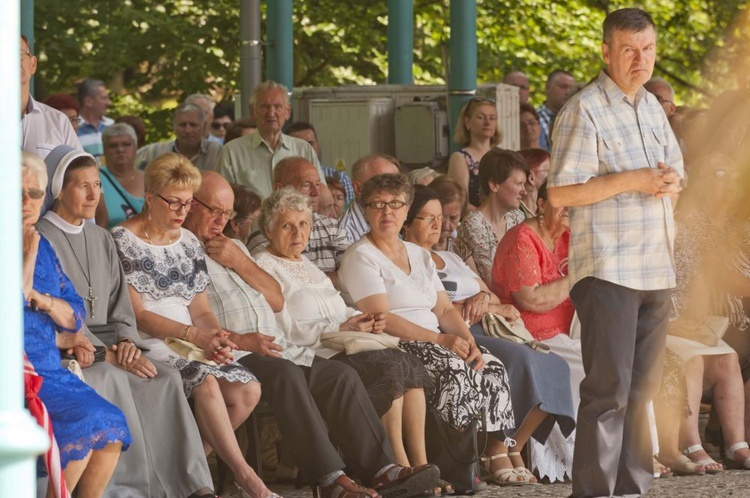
154,53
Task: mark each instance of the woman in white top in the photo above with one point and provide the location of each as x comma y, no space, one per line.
167,277
312,306
382,274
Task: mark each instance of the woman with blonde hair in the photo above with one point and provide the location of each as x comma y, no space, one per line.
166,272
476,133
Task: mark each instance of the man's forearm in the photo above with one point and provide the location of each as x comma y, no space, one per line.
595,190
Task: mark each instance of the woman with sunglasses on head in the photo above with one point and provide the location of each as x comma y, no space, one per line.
476,133
166,272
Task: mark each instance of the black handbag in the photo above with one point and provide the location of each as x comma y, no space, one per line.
106,333
455,452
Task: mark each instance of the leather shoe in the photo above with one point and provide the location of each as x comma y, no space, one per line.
344,487
403,482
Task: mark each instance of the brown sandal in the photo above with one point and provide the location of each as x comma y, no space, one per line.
344,487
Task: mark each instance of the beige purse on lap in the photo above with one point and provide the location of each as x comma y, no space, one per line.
515,331
351,342
188,350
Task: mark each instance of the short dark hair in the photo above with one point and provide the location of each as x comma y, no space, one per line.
631,20
496,166
554,74
422,195
224,109
87,87
300,126
396,184
526,107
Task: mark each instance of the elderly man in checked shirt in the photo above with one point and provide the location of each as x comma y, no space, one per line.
617,167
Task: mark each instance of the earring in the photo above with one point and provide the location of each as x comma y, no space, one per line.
149,216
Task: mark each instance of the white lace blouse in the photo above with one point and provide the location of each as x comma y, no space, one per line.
312,305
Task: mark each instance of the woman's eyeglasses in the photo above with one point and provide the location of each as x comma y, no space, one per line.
33,193
430,219
380,205
176,205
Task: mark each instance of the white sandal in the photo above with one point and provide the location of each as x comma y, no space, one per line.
505,477
705,462
731,463
523,470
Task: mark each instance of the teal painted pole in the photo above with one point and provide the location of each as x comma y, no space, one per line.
400,42
462,72
27,28
21,440
280,54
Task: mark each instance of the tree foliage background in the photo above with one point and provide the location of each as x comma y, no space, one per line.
152,53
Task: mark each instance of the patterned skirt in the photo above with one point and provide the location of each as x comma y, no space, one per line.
194,373
461,394
387,374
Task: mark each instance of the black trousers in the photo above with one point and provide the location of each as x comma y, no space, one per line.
623,336
304,399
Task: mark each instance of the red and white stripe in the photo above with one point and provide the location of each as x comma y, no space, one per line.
32,384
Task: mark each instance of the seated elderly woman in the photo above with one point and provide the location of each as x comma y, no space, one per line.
709,256
166,457
383,274
538,381
122,182
502,179
90,431
394,381
247,207
166,275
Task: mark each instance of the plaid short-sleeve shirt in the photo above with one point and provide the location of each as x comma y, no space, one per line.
627,239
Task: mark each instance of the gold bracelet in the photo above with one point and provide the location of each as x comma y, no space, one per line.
51,303
185,332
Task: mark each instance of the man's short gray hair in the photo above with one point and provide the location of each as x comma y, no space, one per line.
192,99
87,88
361,164
268,86
31,163
282,200
187,107
631,20
119,130
656,81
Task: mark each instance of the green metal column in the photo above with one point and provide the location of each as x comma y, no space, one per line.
400,42
462,73
280,54
20,438
251,58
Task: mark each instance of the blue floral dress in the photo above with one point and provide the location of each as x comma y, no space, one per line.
168,278
81,419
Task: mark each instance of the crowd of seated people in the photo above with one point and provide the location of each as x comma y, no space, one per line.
211,272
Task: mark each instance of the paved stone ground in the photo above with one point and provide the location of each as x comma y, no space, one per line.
735,483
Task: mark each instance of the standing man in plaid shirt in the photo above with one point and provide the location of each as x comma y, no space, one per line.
616,165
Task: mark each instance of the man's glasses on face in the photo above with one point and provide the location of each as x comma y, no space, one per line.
216,212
